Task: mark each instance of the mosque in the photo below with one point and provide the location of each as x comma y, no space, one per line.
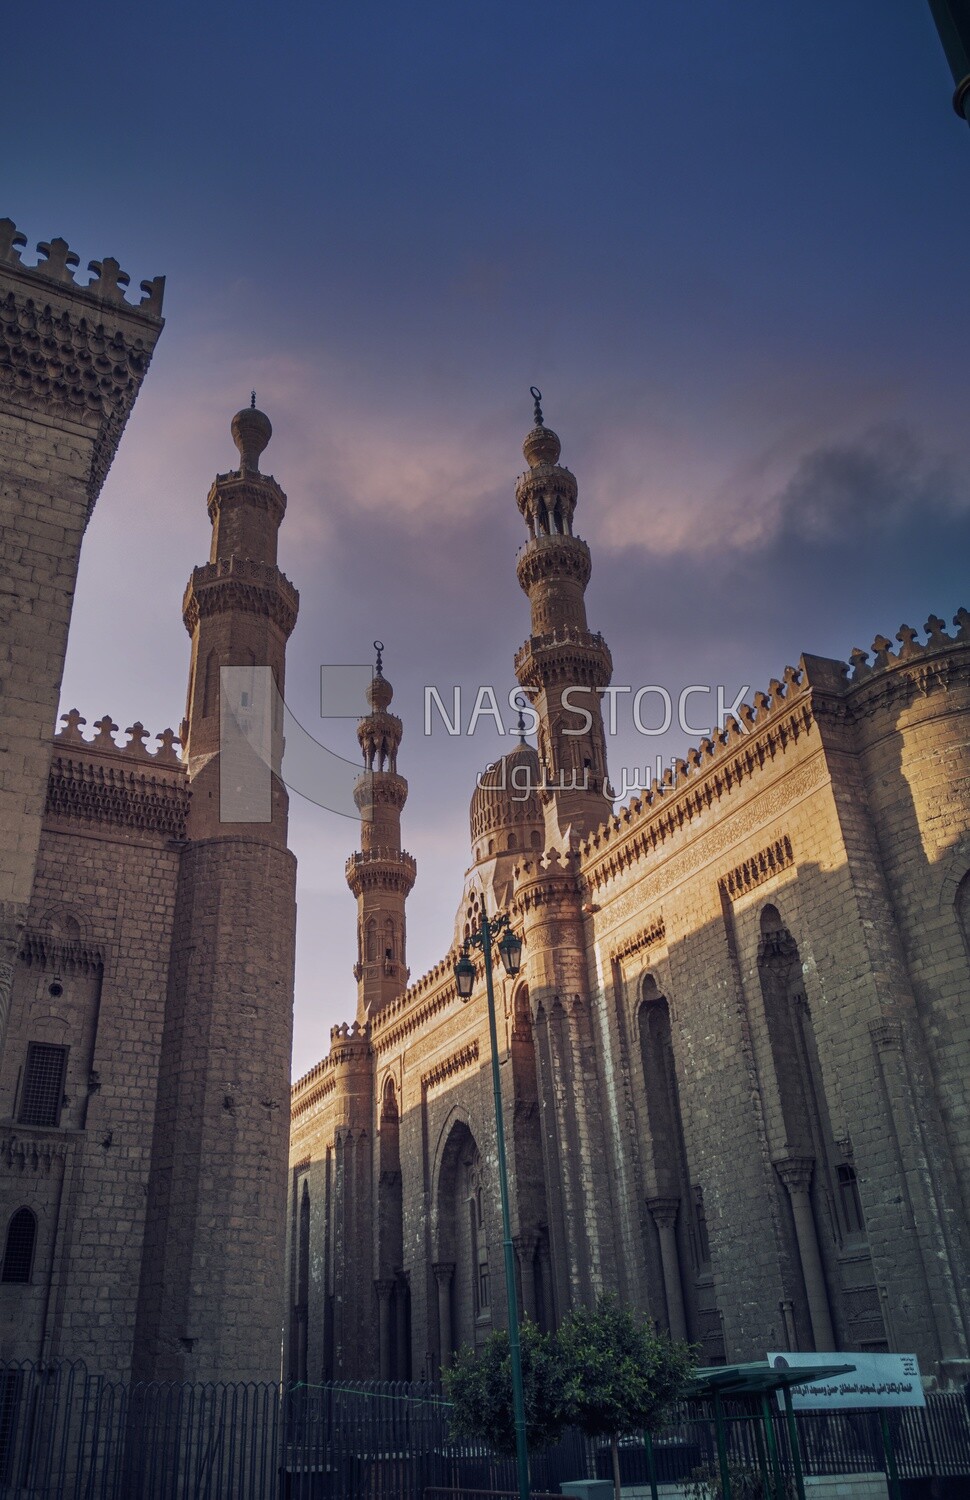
734,1064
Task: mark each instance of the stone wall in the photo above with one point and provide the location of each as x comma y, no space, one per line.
91,977
72,359
783,921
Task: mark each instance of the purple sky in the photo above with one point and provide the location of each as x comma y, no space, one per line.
728,241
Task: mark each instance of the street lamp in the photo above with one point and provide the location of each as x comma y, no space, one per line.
952,19
510,950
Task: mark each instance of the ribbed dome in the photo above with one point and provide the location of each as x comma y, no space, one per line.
505,805
541,446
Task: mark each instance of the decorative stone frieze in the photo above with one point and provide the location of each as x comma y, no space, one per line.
650,936
764,865
89,791
240,583
75,349
465,1057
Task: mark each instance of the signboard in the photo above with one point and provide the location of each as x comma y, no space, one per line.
877,1380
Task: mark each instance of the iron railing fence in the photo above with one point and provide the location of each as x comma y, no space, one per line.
67,1434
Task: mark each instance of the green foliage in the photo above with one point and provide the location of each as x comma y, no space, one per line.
619,1377
479,1385
747,1483
605,1371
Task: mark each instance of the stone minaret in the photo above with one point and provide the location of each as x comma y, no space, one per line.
563,654
381,874
563,665
211,1294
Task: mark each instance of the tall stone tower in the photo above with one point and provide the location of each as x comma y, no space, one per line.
210,1303
72,360
563,665
381,873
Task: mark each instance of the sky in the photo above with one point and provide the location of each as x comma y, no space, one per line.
727,240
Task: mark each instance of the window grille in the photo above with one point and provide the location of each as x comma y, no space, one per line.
18,1254
43,1089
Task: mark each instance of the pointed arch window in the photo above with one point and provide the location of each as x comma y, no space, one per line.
18,1251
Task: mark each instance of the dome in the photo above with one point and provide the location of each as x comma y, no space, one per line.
541,446
251,431
505,809
379,693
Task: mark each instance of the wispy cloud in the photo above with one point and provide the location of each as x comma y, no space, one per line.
840,484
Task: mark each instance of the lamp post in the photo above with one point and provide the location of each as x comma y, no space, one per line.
952,19
510,949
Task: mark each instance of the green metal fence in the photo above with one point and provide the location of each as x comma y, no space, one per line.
71,1435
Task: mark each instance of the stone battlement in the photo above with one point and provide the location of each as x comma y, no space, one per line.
135,747
57,266
758,732
910,648
99,782
708,772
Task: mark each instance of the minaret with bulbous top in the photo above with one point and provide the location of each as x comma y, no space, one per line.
239,610
381,874
209,1302
563,666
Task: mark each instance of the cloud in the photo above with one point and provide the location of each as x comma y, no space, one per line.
836,486
883,478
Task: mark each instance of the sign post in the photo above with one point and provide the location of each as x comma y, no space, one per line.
878,1382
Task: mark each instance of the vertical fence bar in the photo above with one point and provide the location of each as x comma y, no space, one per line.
890,1453
67,1434
793,1445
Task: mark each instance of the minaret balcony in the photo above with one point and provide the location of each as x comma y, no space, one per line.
381,870
564,656
240,583
555,556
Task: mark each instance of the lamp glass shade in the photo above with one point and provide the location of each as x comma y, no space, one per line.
465,976
511,950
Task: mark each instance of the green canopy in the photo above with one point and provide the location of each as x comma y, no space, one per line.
756,1379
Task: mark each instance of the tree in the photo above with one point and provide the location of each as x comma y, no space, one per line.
619,1377
479,1386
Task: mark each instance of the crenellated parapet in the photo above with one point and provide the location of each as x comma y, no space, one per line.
70,349
134,748
417,1005
348,1040
58,263
98,782
916,669
763,729
546,880
710,772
